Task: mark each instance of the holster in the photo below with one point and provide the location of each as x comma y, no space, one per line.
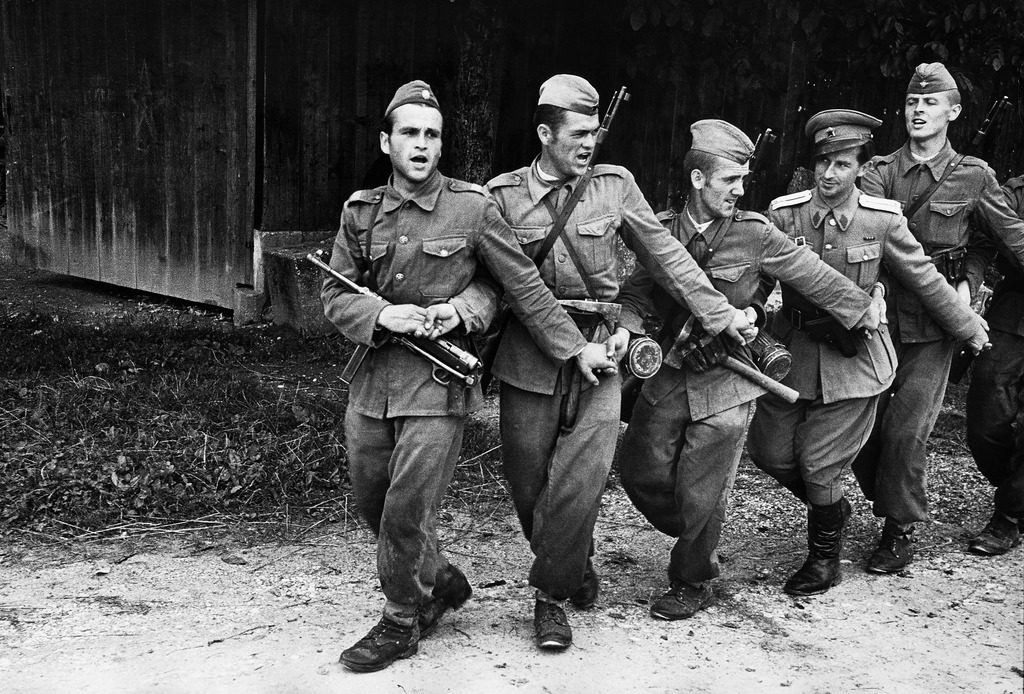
951,264
822,327
587,322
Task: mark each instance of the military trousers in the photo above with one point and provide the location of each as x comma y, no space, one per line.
679,472
995,419
810,441
556,476
400,468
892,468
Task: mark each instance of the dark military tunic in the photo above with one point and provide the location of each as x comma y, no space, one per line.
679,455
995,399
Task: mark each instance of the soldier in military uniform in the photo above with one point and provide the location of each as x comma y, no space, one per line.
995,402
558,436
420,242
806,446
679,455
947,193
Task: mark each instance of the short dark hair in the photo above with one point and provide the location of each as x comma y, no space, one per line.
552,116
699,160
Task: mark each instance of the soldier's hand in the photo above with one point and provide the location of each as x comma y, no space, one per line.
402,318
739,328
617,344
963,290
872,318
594,357
978,342
440,319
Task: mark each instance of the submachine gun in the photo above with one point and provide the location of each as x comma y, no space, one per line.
449,361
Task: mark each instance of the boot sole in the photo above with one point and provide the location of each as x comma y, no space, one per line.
806,593
374,667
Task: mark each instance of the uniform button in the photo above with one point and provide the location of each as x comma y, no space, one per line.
403,239
561,258
828,246
399,277
913,225
865,257
831,222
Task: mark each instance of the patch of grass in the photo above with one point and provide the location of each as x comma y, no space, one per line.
159,416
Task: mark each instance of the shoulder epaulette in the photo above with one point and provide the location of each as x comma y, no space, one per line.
790,200
511,178
747,215
371,196
667,215
884,158
610,170
974,161
883,204
465,186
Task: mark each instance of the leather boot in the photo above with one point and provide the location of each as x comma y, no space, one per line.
824,544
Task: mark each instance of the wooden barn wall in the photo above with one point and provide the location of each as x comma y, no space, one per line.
130,141
329,71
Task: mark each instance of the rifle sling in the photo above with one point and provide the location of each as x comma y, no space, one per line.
556,217
562,217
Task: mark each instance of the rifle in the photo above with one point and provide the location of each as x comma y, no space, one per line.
489,345
449,360
757,159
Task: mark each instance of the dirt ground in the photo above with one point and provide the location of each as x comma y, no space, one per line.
224,605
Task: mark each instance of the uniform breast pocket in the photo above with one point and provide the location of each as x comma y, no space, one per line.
862,263
947,223
595,241
446,266
732,280
530,238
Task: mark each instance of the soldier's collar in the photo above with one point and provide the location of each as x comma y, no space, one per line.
841,213
936,165
539,187
425,196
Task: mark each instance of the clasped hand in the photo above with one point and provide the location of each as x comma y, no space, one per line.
409,319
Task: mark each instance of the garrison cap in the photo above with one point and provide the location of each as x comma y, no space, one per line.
415,92
721,139
930,78
836,129
569,92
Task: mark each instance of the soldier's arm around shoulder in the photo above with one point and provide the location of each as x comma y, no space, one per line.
875,180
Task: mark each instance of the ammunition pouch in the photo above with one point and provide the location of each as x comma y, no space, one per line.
586,321
822,327
951,264
702,357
